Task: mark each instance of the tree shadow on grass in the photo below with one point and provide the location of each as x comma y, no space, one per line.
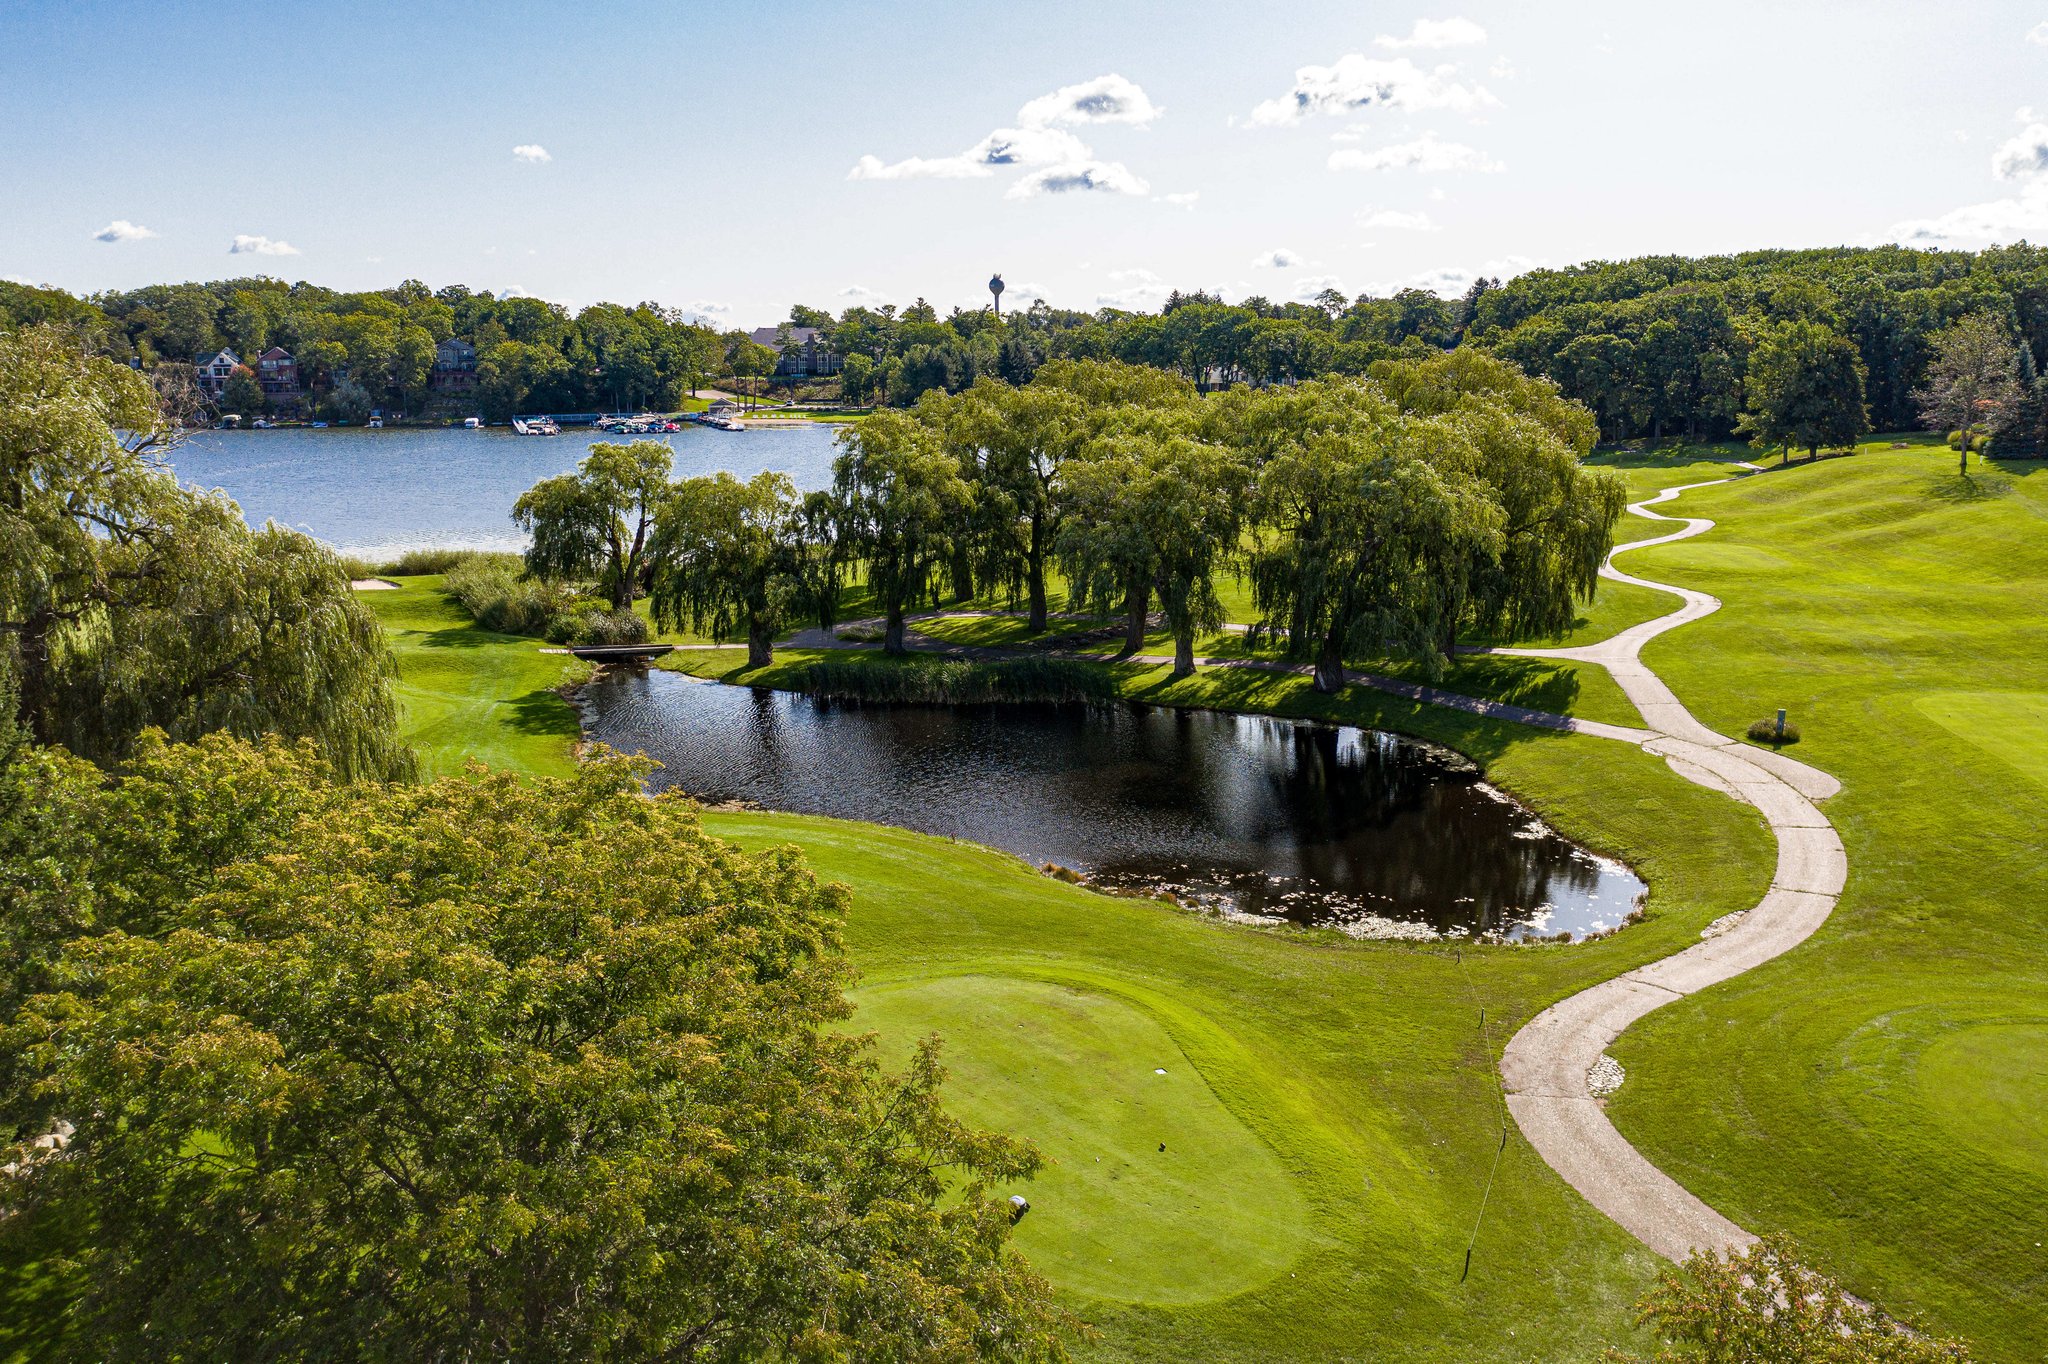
1977,486
543,712
468,637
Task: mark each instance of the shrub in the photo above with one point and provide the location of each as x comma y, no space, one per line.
494,588
359,568
959,681
588,622
1766,732
422,562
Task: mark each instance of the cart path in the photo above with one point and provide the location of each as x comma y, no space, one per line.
1545,1065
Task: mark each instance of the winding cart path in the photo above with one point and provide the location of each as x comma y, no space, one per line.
1545,1065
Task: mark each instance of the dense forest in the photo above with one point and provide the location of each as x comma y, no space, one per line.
1657,346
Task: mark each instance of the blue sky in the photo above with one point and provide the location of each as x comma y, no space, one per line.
735,159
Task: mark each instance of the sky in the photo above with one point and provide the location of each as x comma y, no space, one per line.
735,159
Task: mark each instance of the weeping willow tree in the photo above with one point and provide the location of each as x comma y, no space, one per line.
128,602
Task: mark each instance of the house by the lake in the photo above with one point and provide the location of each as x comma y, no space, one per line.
212,372
454,367
805,357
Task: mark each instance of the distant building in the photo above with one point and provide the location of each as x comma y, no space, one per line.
454,367
278,372
807,356
213,371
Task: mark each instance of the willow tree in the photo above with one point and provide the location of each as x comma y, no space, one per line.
903,502
1148,514
1022,437
593,525
729,558
1362,528
1525,443
127,601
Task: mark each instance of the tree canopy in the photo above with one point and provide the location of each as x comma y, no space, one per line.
594,523
483,1068
728,557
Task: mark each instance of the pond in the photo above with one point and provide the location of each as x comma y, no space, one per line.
1249,815
379,493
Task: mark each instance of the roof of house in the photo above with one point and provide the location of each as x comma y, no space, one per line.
212,357
771,338
275,353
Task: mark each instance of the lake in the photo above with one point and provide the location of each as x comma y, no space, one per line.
1311,824
377,493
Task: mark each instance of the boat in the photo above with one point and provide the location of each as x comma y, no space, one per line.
536,426
724,423
472,423
376,423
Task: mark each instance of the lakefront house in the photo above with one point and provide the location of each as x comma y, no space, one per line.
213,371
807,356
454,367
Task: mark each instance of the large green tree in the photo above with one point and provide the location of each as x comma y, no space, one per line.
127,601
593,524
489,1068
728,557
904,504
1368,538
1153,515
1804,387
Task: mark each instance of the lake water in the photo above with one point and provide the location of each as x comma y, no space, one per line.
377,493
1309,823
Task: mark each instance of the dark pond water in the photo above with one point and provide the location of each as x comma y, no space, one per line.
377,493
1252,815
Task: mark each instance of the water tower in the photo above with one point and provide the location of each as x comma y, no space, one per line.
995,287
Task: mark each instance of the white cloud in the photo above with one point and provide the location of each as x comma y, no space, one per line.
1308,286
532,153
1502,69
2038,35
1079,176
1427,153
2023,216
1183,200
1396,220
707,307
1138,298
246,245
1360,82
1279,258
1451,280
859,295
1003,147
1106,99
16,279
121,230
2023,154
1458,32
1134,275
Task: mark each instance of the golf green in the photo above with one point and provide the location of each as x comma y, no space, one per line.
1153,1190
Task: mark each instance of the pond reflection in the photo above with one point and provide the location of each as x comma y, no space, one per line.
1315,824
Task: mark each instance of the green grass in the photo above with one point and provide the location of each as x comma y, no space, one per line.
1877,1092
1358,1072
471,694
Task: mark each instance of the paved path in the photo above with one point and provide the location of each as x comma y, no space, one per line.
1545,1064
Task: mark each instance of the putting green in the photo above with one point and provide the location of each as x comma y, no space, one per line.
2011,726
1988,1086
1112,1215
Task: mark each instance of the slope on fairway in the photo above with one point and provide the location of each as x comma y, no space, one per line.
467,692
1153,1191
1877,1091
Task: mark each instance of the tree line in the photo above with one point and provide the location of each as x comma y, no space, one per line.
1758,344
1387,515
